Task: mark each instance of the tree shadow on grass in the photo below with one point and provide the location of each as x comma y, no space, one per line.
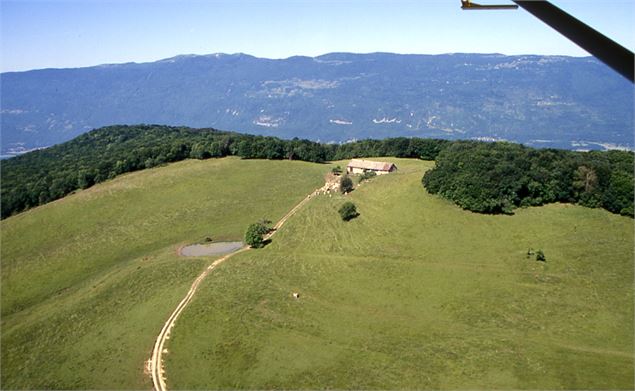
351,217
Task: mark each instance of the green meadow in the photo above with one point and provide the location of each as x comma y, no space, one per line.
416,293
89,280
413,293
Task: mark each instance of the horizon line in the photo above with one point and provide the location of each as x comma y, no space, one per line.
218,54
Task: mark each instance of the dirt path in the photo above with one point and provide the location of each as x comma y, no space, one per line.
155,363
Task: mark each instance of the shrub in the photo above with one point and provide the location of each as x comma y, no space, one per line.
367,175
540,256
346,184
337,170
255,233
348,211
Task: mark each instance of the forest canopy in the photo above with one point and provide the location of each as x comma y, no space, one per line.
498,177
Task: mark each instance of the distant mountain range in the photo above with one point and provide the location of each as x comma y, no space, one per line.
566,102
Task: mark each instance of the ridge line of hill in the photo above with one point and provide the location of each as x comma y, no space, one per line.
531,176
292,57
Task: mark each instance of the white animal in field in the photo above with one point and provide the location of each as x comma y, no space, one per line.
296,295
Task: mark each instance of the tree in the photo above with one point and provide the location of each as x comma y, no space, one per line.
245,149
348,211
585,180
85,179
216,149
618,197
199,151
255,233
346,184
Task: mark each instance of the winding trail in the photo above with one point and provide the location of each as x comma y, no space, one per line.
155,363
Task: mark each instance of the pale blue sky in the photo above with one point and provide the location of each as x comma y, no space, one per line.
62,33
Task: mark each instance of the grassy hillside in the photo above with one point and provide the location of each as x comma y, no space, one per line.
417,293
87,281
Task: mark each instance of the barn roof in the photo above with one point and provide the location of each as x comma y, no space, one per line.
370,165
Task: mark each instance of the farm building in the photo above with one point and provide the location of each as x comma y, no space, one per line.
359,166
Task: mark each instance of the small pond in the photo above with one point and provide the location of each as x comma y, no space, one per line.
198,250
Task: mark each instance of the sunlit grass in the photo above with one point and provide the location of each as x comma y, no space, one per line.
417,293
87,281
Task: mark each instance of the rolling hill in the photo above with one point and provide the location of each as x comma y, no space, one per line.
417,294
565,102
414,293
88,280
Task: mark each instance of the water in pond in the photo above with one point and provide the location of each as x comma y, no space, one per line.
197,250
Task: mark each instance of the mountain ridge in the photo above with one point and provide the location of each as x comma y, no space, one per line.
559,101
319,56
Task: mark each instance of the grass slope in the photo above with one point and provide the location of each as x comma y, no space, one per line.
88,281
417,293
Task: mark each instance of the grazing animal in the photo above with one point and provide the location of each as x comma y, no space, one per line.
296,295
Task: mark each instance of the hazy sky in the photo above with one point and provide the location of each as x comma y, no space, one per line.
62,33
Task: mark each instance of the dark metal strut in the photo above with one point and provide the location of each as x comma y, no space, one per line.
605,49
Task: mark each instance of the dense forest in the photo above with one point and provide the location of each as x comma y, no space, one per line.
481,177
42,176
498,177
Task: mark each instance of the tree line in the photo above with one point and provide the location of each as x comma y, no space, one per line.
498,177
45,175
481,177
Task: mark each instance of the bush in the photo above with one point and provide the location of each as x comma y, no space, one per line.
540,256
255,233
346,184
337,170
348,211
367,175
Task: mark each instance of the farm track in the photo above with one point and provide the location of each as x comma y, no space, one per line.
155,363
